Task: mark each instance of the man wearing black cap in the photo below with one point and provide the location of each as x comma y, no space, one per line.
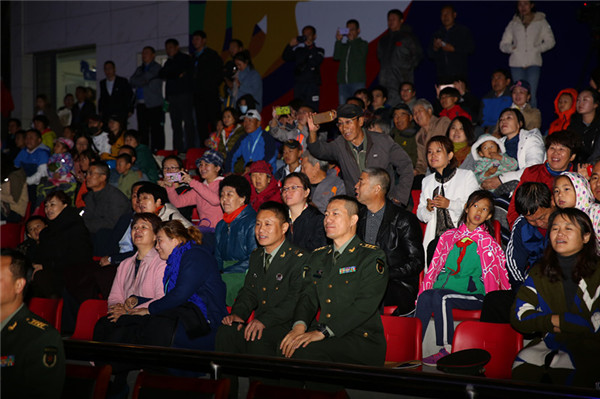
356,149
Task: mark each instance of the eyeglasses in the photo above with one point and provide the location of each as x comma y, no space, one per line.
293,188
346,123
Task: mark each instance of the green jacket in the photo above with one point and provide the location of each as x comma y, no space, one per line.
33,358
348,293
146,163
272,294
352,56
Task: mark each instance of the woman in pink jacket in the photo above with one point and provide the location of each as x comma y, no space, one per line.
205,194
139,279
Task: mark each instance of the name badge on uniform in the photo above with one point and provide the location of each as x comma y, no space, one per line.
346,270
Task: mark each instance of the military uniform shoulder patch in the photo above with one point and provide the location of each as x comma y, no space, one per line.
365,245
50,356
380,266
319,249
36,323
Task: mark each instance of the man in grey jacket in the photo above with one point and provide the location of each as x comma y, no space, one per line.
356,149
149,100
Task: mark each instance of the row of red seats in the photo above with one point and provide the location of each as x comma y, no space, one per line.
403,334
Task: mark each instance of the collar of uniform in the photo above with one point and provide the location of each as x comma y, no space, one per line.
343,247
274,252
9,318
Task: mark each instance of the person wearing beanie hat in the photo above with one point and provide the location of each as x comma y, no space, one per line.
490,158
356,149
264,185
256,145
521,95
205,194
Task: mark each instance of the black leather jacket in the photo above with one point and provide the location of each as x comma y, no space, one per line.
401,238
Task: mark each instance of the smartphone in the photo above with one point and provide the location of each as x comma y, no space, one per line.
282,111
324,117
344,31
174,177
301,39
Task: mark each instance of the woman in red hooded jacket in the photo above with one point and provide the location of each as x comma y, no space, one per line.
565,105
265,186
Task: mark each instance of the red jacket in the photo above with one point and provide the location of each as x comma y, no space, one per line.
454,112
536,173
271,193
564,118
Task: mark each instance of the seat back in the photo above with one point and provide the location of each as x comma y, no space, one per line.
191,156
462,315
46,308
499,339
163,386
389,310
497,231
403,336
166,153
10,235
89,313
59,310
90,382
259,390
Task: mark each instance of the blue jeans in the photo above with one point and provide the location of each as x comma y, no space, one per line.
532,75
346,90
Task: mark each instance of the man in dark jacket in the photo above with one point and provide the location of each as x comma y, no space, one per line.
397,232
308,59
208,75
82,109
356,149
116,96
450,47
177,71
399,53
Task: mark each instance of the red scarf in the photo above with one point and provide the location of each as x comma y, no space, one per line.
229,217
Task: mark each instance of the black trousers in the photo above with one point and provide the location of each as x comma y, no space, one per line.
207,113
150,125
181,109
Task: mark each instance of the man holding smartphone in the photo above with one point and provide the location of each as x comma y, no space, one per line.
307,73
352,55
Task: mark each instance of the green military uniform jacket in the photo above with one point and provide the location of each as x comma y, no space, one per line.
33,358
272,294
348,293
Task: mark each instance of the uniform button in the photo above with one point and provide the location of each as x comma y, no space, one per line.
264,288
346,281
252,285
327,300
330,286
276,288
328,315
314,282
263,302
366,334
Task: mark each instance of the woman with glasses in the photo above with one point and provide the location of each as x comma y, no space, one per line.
306,222
173,174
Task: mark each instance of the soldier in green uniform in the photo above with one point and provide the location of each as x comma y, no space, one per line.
347,281
271,289
33,358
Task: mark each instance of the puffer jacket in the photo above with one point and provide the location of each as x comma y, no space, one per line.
526,44
400,237
564,118
235,242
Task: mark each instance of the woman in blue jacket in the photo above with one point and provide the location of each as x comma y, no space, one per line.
235,233
248,80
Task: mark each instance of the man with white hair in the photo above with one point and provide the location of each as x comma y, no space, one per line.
431,126
325,183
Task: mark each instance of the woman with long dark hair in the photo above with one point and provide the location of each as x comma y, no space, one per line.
559,301
247,79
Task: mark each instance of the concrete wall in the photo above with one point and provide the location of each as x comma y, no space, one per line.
118,29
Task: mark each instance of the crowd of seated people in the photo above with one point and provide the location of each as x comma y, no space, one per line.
391,200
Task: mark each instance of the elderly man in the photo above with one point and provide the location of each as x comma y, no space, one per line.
104,205
256,145
33,358
149,100
431,126
271,289
397,232
356,149
346,281
324,181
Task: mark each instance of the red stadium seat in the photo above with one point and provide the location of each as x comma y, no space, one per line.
389,310
82,378
191,156
151,385
403,336
59,310
463,315
166,153
500,340
10,235
89,313
497,231
46,308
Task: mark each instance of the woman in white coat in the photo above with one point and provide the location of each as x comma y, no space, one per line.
525,38
444,192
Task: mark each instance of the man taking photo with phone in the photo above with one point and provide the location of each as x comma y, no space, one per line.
352,55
